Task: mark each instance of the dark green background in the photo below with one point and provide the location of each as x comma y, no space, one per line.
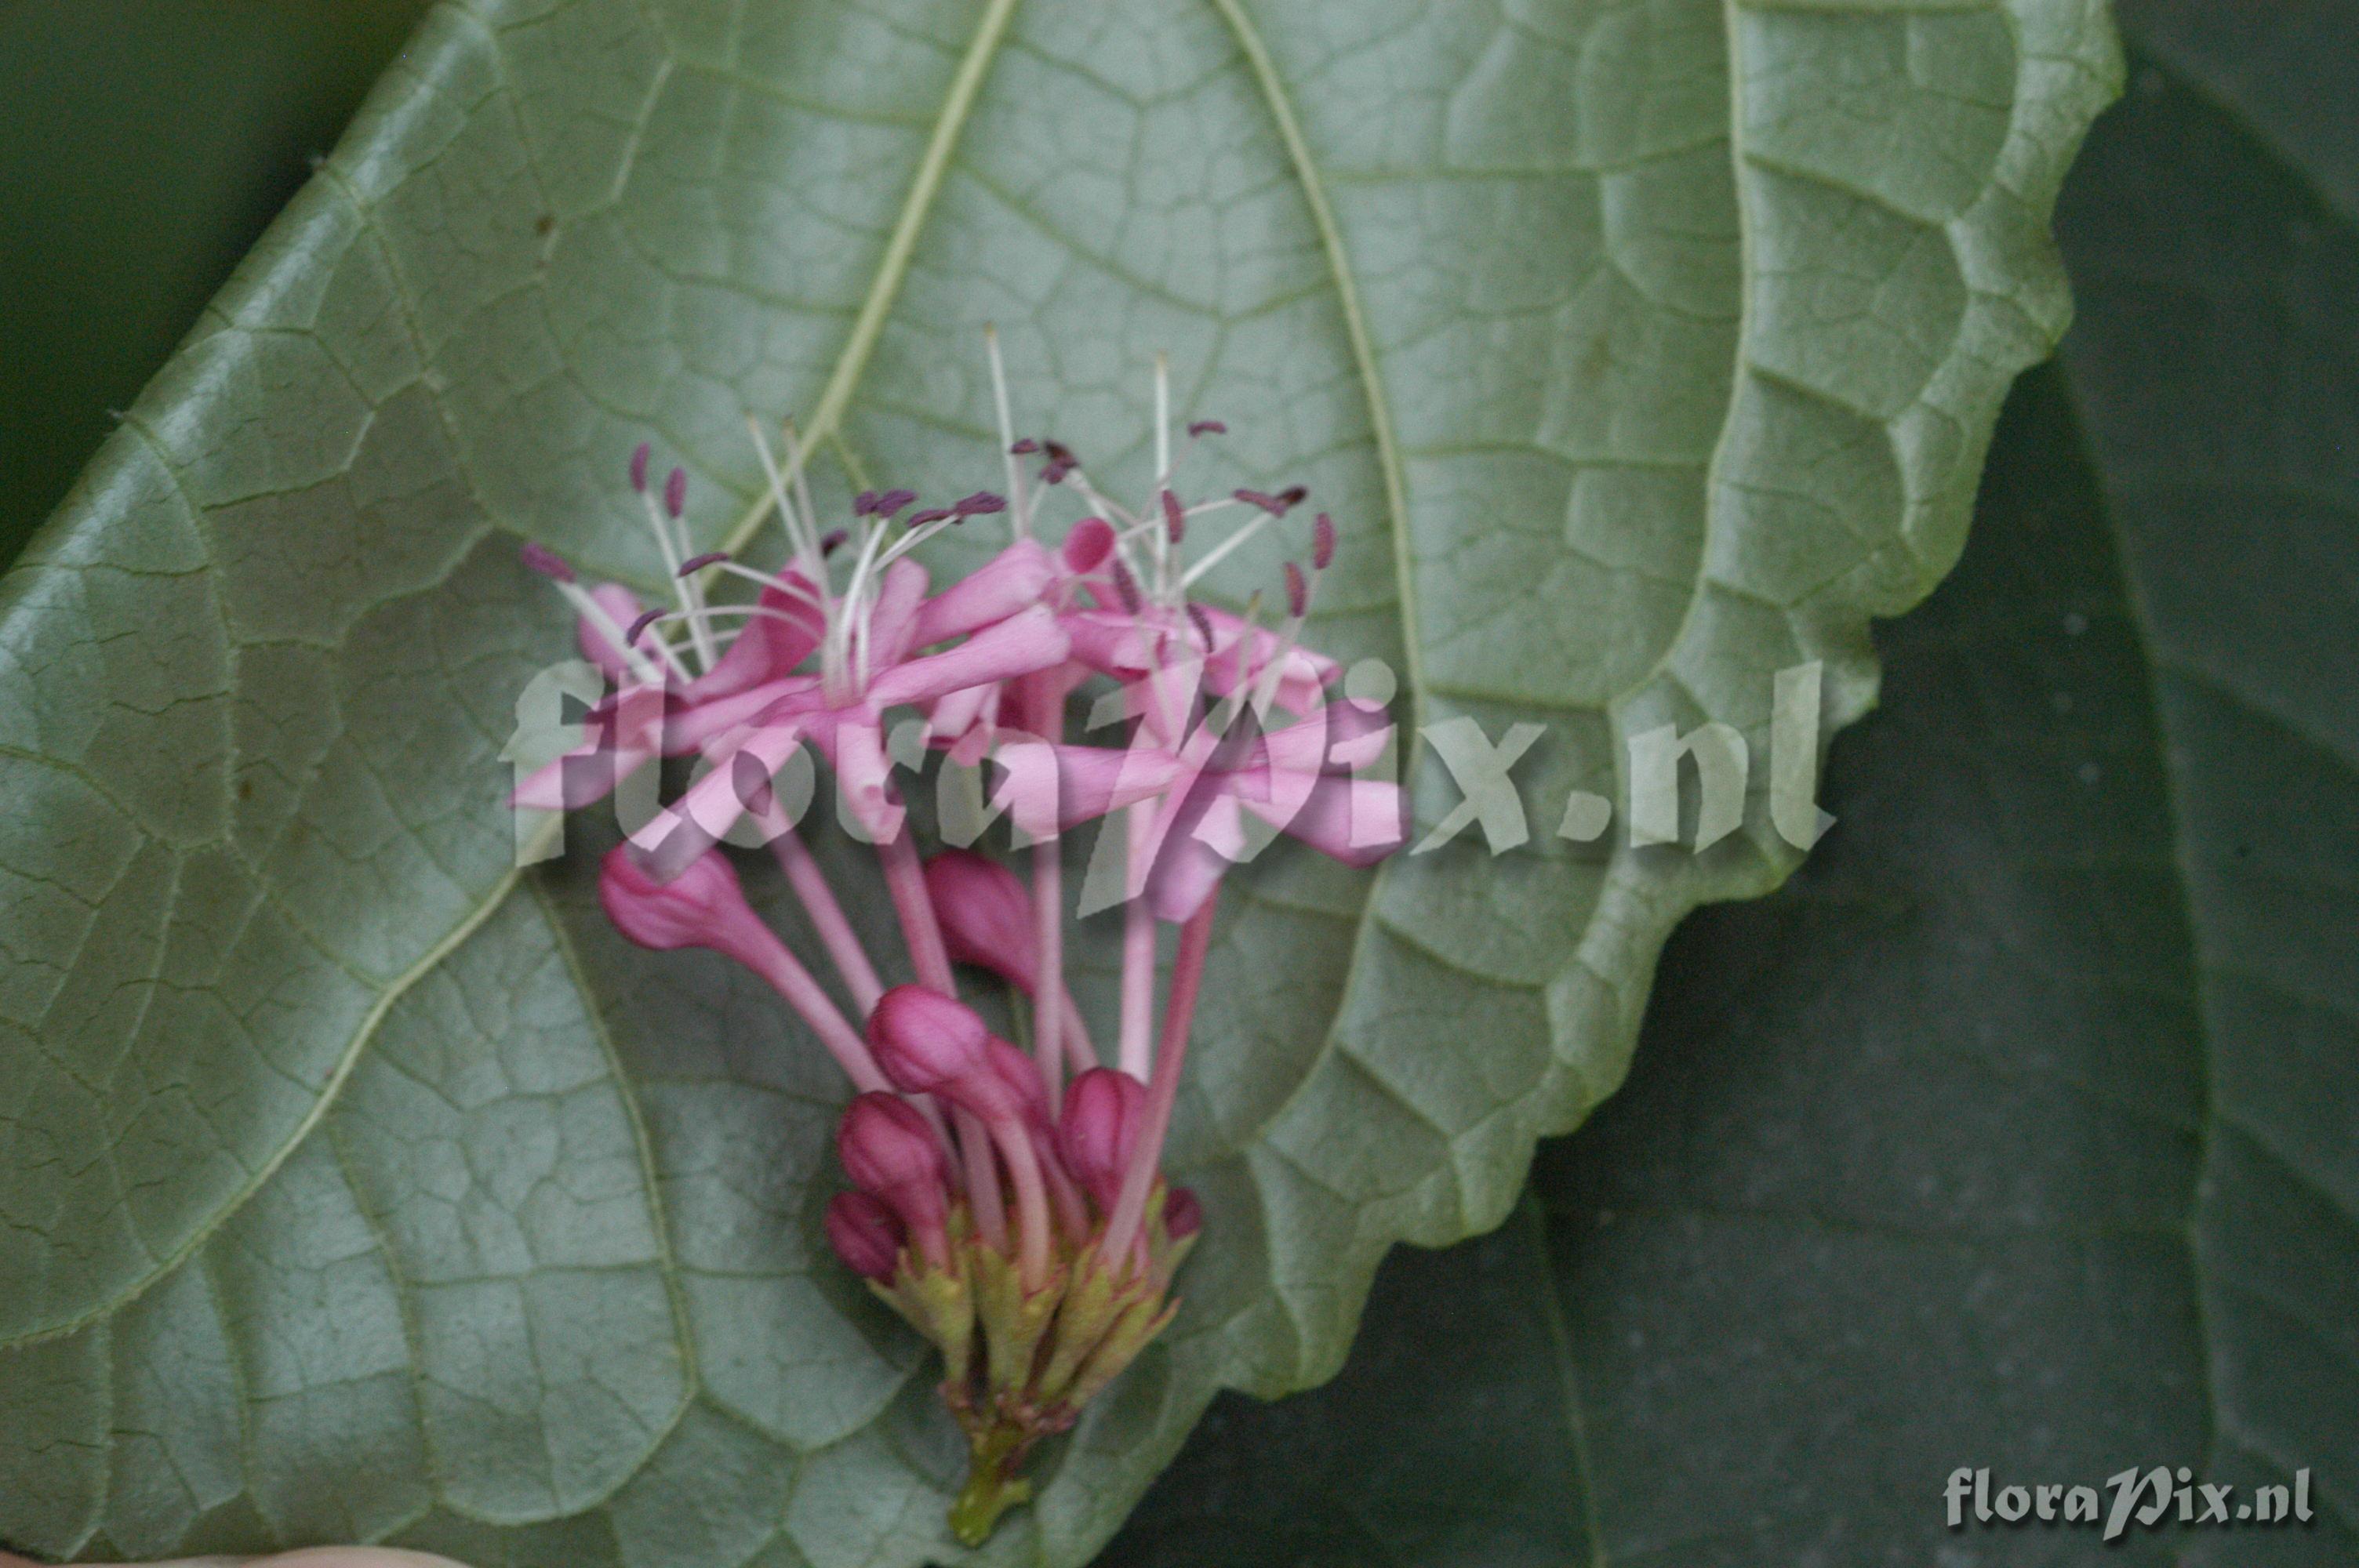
143,144
2015,1131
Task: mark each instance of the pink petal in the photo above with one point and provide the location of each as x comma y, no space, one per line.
892,624
1357,821
1015,646
580,778
622,737
959,714
1011,581
693,729
712,805
1048,788
865,775
767,648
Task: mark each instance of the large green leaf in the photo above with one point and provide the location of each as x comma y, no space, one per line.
2021,1127
354,1187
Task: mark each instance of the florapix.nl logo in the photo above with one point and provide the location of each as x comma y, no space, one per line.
569,717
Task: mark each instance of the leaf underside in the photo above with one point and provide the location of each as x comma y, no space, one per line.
2020,1129
354,1187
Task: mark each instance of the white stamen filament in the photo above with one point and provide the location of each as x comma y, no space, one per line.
802,538
785,585
590,610
1222,551
1163,546
1019,517
683,591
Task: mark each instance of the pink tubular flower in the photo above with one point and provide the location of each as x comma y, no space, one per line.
704,907
1008,1200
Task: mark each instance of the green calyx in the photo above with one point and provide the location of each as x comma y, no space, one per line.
1019,1363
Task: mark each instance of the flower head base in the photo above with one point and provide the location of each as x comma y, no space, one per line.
1027,1335
1008,1202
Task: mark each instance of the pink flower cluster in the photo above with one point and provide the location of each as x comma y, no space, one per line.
1009,1202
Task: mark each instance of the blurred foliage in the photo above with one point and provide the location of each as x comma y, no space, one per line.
144,144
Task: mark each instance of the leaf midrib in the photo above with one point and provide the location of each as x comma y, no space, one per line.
966,82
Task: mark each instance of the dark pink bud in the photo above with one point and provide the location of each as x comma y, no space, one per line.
1293,495
1207,428
986,913
1127,587
1023,448
982,504
1089,544
1183,1215
701,907
1297,592
1175,518
930,515
834,541
892,500
866,1235
1322,542
639,454
927,1043
890,1152
863,504
1263,499
546,561
697,562
1103,1108
675,492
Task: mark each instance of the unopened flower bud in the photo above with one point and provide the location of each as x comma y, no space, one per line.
1103,1108
701,907
865,1233
926,1043
890,1152
985,915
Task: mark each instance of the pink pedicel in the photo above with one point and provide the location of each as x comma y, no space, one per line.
1008,1200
